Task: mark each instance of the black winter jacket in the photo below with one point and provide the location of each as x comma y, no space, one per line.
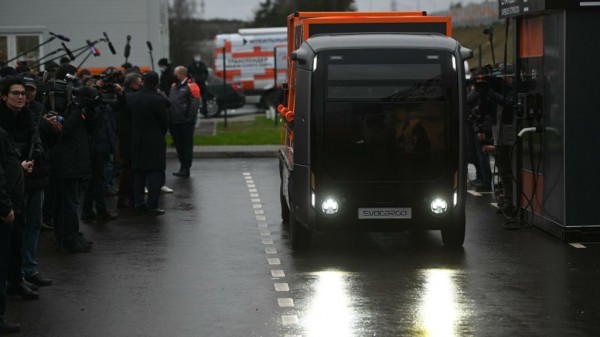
104,135
149,127
17,143
11,176
70,158
167,78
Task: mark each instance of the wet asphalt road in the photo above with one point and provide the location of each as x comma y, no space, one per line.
219,264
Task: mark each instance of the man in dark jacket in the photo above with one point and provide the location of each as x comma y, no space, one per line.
71,167
35,183
102,145
199,72
132,84
149,127
166,76
182,119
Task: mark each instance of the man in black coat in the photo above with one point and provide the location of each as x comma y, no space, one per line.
149,127
35,183
199,72
167,78
71,168
132,84
102,146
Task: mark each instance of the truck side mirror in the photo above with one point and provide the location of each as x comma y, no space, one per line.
297,58
465,53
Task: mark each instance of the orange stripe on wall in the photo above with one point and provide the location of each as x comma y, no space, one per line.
531,37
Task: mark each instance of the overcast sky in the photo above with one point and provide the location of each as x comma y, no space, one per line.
244,9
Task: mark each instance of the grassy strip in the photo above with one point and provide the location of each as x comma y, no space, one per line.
261,131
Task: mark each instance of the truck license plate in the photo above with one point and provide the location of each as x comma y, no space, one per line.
385,213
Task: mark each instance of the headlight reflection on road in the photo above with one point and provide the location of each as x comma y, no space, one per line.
439,312
329,313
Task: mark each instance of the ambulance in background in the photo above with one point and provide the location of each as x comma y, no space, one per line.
252,58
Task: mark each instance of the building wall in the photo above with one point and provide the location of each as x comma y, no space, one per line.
80,20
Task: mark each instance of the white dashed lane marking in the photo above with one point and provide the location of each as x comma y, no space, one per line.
270,251
274,261
285,302
477,194
281,287
578,245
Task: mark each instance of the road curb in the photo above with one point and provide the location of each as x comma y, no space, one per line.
262,151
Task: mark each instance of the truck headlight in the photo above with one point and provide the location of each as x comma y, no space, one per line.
330,206
439,206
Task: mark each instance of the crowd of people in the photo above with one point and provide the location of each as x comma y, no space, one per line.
65,136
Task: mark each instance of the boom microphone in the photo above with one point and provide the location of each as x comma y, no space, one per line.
71,56
61,37
110,45
127,47
149,45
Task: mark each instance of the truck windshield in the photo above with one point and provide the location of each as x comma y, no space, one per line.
386,113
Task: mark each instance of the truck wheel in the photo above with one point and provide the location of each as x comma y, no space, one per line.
300,235
454,236
213,107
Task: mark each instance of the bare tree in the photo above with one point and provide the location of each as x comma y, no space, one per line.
181,24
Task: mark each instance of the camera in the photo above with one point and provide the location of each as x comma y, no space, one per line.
52,113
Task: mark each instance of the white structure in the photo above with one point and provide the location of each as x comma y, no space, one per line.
27,23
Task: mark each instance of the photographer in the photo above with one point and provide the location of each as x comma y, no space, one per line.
133,83
35,183
478,123
71,167
500,93
102,146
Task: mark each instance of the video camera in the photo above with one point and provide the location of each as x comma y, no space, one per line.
488,77
109,78
56,94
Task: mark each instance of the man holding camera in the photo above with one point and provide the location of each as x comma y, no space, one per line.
71,167
102,145
503,131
